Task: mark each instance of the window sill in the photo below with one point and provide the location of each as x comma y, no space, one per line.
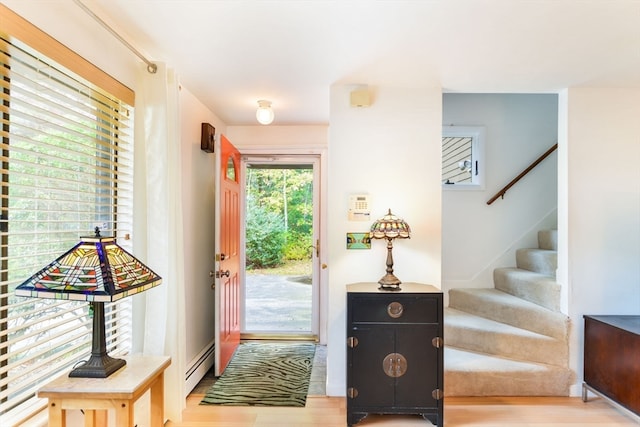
463,187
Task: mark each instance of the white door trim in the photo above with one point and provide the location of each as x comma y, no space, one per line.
318,156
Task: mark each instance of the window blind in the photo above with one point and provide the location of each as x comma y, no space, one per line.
66,156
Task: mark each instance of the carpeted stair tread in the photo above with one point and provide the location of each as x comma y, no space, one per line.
512,339
537,288
548,239
470,332
503,307
542,261
475,374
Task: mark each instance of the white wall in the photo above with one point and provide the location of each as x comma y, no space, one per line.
478,237
71,26
198,191
274,136
390,150
601,208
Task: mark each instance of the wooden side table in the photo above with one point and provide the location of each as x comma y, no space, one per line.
119,391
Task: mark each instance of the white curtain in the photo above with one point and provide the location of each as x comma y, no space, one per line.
158,231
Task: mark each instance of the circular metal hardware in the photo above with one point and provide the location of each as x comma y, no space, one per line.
212,274
395,310
394,365
221,273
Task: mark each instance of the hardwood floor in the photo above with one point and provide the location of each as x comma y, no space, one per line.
322,411
459,412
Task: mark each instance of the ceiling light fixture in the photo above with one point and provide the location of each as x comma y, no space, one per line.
264,114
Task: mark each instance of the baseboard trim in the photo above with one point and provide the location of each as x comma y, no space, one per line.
199,367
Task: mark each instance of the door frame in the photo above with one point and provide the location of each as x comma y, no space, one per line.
317,156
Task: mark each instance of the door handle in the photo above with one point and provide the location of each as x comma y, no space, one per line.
317,248
221,273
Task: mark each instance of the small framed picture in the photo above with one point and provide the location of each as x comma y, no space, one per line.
358,241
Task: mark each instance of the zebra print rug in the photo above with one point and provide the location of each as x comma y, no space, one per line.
265,374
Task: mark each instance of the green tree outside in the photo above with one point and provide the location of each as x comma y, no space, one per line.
279,215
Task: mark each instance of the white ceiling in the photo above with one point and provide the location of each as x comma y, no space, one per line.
230,53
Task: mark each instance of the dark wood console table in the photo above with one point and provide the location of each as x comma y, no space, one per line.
612,359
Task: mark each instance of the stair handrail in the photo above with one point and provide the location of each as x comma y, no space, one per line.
523,173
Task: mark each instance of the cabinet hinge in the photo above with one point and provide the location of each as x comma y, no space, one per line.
352,392
437,394
352,342
437,342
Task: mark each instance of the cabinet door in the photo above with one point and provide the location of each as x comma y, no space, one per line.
415,388
411,383
365,373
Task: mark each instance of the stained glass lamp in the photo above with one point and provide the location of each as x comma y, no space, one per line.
95,270
390,227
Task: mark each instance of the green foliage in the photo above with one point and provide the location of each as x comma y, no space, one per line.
282,196
288,192
265,237
298,246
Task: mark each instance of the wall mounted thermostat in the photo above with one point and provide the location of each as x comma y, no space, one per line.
359,209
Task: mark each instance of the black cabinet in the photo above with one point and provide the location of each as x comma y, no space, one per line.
394,351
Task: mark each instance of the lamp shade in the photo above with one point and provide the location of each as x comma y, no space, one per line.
264,113
390,227
95,270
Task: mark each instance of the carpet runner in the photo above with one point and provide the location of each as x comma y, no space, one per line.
265,374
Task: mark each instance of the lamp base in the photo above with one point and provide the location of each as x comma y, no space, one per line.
100,366
389,282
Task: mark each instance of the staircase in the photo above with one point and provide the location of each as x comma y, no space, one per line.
512,339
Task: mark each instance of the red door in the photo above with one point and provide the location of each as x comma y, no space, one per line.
227,290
